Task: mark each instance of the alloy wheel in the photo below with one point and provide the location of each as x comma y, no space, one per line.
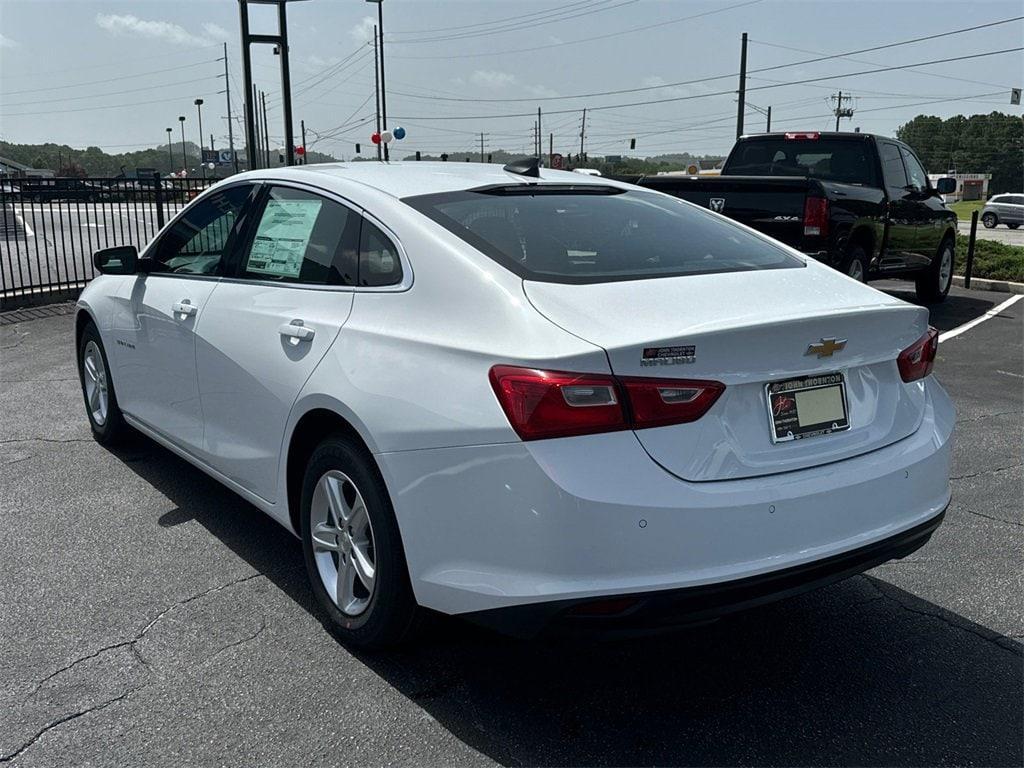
95,382
343,545
856,270
946,268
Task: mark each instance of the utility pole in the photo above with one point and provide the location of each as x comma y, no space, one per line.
768,126
551,149
255,149
227,95
583,132
376,91
184,160
741,108
266,130
286,85
540,135
840,110
170,153
302,125
383,86
481,146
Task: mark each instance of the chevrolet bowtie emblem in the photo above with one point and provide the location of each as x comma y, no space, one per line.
826,348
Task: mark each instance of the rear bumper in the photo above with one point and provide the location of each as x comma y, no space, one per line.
651,611
577,519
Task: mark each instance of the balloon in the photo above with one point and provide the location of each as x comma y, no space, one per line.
386,136
399,132
375,138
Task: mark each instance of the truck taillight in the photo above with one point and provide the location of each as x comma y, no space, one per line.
815,217
916,361
803,135
544,404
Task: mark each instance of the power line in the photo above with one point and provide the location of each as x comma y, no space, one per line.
110,93
494,21
110,106
111,79
731,91
695,81
563,44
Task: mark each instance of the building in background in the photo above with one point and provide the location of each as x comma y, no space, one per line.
969,186
11,169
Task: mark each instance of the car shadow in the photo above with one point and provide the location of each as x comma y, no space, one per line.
858,673
959,307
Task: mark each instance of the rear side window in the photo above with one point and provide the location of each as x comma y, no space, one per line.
379,264
197,243
846,161
892,166
304,238
591,234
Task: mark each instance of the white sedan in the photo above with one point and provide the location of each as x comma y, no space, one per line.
537,399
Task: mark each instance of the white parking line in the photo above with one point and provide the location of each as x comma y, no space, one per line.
978,320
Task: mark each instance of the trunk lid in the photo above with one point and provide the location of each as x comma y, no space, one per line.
749,329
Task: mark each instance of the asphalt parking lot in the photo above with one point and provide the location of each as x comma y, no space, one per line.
150,617
1001,234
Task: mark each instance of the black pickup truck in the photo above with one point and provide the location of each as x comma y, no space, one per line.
860,203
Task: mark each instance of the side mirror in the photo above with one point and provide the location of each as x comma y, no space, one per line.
119,260
946,185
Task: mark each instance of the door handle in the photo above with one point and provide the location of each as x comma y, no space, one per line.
296,331
184,307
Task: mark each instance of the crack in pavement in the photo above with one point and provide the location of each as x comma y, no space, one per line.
131,644
237,643
994,638
66,719
986,472
996,519
989,416
47,440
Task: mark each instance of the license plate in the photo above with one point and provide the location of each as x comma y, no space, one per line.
806,407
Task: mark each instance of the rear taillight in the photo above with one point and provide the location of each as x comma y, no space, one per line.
813,135
815,217
916,361
543,404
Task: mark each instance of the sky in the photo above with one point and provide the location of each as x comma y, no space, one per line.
117,74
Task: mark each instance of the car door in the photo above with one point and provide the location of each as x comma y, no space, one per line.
900,240
155,340
926,210
267,327
1011,209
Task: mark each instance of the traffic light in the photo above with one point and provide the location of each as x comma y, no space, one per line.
632,143
358,148
417,155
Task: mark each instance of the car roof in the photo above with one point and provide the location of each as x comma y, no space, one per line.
405,179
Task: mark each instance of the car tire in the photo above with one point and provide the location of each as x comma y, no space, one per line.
1013,226
933,283
855,264
990,220
105,417
349,533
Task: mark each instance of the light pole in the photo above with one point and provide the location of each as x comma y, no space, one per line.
170,151
383,90
184,160
199,109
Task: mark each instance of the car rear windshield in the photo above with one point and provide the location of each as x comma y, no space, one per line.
593,234
846,161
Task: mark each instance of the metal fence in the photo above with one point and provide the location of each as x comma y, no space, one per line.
49,228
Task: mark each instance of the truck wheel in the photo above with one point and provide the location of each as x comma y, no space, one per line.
855,264
989,220
933,284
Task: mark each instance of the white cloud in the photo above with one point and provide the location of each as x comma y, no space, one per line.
132,26
541,90
676,90
216,31
6,42
491,78
363,31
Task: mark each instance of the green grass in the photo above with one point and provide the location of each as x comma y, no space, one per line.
964,207
992,260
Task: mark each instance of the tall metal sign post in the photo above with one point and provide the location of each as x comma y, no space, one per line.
281,41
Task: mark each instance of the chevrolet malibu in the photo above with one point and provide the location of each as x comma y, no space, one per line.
540,400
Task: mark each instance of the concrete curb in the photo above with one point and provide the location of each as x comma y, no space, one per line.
981,284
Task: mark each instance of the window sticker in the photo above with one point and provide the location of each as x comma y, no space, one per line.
282,237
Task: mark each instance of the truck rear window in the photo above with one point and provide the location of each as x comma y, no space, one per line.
588,234
846,161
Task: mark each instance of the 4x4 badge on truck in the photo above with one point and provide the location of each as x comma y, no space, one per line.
717,204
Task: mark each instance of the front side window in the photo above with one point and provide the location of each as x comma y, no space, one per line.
892,166
915,173
303,238
591,233
197,243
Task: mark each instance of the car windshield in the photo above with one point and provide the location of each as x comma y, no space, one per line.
590,233
827,159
